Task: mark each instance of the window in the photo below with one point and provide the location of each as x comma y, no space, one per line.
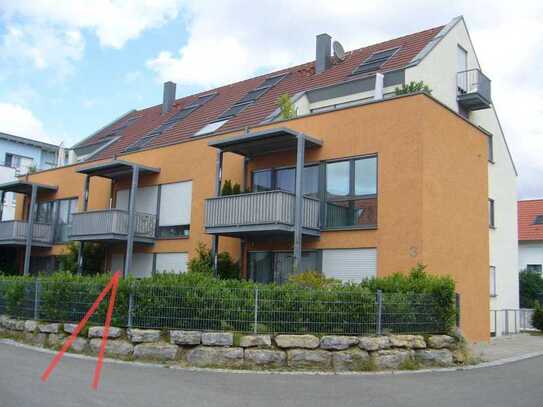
490,148
534,268
64,210
284,179
21,164
58,213
492,281
277,267
175,210
210,128
375,61
491,222
538,220
351,193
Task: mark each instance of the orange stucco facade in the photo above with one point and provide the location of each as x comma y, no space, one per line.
431,200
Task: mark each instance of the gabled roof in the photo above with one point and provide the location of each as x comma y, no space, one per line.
24,140
528,222
136,124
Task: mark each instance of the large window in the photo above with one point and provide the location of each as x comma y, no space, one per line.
534,268
284,179
175,210
277,267
58,213
351,193
21,164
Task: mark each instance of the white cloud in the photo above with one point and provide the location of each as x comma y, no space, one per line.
16,120
43,46
233,40
48,34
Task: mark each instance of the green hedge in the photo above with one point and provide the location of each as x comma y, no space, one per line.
416,302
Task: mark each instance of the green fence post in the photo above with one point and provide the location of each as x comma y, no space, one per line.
379,312
37,299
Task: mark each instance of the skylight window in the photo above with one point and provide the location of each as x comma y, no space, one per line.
171,122
210,128
375,61
252,96
538,220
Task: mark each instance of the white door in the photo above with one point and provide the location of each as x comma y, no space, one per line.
349,265
462,66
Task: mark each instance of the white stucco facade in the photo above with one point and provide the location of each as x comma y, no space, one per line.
530,253
438,69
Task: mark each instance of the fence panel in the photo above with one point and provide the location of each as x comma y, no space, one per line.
259,310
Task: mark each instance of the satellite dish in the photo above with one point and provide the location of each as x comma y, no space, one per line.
339,52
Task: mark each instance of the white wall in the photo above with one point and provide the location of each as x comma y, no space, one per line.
530,253
7,174
438,70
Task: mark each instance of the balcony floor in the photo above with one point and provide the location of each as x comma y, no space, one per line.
22,243
111,238
275,230
473,101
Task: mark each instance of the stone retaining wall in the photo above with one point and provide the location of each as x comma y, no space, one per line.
226,350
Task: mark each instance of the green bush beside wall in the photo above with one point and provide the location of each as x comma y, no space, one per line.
416,302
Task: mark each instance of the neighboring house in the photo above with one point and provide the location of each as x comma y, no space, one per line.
18,156
385,182
530,235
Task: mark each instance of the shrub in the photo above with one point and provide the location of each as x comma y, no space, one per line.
287,108
313,279
229,188
195,300
93,258
412,87
203,263
537,318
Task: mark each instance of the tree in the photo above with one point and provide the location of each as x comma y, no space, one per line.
412,87
93,258
531,288
288,110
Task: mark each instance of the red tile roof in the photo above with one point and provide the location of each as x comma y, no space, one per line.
300,78
527,212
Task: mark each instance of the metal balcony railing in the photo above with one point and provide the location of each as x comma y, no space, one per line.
258,211
16,231
110,223
473,89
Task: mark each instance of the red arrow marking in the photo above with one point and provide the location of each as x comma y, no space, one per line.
112,285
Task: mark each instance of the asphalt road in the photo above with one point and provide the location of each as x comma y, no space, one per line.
517,384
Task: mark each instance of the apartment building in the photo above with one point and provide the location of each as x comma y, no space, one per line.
361,182
530,235
20,155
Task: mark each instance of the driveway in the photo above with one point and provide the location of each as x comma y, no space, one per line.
517,384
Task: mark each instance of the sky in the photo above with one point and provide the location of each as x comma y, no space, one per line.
69,67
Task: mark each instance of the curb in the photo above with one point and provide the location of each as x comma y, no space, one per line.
495,363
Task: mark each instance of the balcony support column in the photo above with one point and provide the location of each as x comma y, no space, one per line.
298,212
29,230
131,220
215,241
84,209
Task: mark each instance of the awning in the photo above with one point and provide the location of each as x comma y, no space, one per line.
264,142
116,169
25,187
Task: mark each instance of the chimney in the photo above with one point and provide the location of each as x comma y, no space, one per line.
378,95
323,58
169,96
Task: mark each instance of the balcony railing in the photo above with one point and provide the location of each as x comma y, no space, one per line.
111,224
473,90
15,232
259,212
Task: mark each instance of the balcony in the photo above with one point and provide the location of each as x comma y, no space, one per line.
473,90
270,212
112,225
14,233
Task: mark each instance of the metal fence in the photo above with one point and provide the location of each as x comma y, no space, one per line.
258,310
511,321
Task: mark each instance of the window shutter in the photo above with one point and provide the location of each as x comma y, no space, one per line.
175,204
171,263
146,200
352,265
